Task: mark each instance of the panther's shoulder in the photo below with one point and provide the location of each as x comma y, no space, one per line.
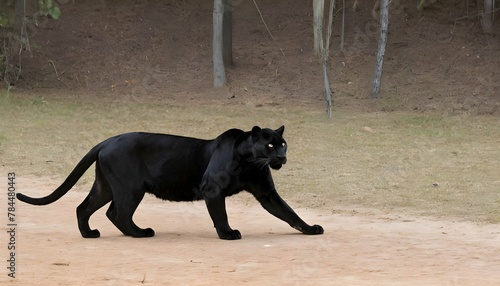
231,137
233,133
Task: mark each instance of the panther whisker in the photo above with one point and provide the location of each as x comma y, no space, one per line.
261,163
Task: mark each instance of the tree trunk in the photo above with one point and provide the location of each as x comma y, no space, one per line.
325,48
218,61
328,93
20,8
384,23
318,13
227,34
487,14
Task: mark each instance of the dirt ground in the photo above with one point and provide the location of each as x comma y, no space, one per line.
376,249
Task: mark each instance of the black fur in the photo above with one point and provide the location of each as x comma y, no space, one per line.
179,168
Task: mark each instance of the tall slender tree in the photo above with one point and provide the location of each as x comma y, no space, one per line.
384,23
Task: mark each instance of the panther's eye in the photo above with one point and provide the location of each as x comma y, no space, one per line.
270,145
283,144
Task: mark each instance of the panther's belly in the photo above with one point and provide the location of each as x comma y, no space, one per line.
176,192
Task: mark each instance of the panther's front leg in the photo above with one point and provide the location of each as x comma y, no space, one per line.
274,204
217,208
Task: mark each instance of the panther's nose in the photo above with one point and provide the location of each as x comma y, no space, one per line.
281,158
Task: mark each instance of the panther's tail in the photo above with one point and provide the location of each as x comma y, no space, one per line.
70,181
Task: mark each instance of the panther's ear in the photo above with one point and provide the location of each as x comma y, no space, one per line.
255,133
281,130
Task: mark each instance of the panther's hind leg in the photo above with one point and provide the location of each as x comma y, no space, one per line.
120,213
99,196
126,181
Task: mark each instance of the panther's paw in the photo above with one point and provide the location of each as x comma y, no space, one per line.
229,235
318,229
149,232
91,234
315,229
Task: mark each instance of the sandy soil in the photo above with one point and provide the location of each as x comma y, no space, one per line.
376,249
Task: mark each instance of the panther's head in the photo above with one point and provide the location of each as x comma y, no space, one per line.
269,147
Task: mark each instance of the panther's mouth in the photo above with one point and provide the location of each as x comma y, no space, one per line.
276,166
277,163
273,163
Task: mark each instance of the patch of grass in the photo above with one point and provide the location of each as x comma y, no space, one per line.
390,102
4,97
444,166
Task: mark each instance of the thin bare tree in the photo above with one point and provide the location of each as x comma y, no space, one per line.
218,60
384,23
